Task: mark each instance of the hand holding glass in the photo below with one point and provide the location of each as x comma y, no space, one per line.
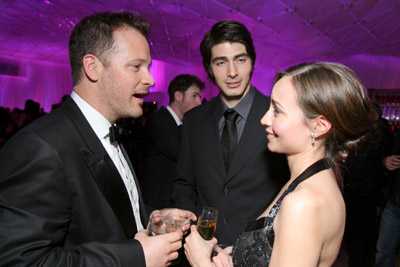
207,223
167,220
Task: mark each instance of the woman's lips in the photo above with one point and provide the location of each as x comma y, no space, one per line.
270,135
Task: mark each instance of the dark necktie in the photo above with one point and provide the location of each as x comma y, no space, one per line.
117,133
229,136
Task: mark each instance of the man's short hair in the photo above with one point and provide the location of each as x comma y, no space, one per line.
224,31
181,83
94,35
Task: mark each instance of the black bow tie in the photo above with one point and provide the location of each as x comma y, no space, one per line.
117,133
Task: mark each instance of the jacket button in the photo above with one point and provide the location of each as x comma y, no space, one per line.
225,221
226,190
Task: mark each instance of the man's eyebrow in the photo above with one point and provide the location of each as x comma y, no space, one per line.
225,58
219,58
241,55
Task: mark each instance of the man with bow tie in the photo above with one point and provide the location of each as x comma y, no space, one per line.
68,192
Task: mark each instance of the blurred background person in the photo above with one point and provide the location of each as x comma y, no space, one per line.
162,138
389,227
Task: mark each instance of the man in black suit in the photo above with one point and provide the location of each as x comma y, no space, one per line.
68,193
163,132
240,182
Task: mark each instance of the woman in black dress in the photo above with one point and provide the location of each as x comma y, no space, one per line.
318,110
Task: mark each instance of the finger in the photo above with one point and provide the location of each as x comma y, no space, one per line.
193,229
154,212
190,214
185,228
142,233
216,261
173,236
176,245
168,211
217,249
173,256
228,250
187,214
224,260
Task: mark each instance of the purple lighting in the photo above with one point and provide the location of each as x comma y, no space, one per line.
361,34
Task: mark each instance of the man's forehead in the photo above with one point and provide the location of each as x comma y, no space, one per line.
228,49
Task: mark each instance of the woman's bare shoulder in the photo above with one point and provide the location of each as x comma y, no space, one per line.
316,201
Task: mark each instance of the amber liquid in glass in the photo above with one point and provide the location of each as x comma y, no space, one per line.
206,229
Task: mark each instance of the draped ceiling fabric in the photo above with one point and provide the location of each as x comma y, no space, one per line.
363,34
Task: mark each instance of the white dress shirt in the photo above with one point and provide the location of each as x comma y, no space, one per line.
101,126
177,120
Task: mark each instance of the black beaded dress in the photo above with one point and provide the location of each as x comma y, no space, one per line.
254,246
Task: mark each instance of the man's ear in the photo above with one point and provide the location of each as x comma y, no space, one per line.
178,96
91,67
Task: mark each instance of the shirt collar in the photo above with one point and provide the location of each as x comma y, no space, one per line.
98,122
177,120
244,105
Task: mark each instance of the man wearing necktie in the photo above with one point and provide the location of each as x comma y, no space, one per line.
68,193
163,130
224,161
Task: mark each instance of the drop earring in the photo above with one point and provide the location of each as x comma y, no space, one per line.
313,138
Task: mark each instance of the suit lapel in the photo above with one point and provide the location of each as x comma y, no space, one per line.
109,182
211,139
104,171
253,134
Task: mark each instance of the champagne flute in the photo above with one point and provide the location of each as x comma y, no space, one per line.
207,223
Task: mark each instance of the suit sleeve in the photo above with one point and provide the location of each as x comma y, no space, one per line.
184,191
163,137
36,208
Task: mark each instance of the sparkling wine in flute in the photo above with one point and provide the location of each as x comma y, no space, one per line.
207,223
206,229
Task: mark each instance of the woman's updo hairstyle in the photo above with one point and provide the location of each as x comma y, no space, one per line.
335,92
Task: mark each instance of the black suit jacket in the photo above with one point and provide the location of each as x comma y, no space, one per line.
159,157
251,183
62,200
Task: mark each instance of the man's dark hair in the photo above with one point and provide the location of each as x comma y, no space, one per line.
94,35
182,83
226,31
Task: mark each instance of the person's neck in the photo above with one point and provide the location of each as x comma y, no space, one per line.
174,106
299,162
232,101
88,93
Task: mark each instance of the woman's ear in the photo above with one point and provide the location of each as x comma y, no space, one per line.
322,125
91,67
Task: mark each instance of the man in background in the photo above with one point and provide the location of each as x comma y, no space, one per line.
162,138
224,161
68,193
